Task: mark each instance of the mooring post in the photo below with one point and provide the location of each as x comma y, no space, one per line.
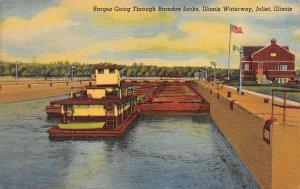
231,104
228,94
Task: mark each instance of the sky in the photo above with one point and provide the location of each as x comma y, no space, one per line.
38,31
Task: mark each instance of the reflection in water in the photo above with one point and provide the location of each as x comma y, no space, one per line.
158,152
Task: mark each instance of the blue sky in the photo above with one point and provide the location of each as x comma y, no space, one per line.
59,30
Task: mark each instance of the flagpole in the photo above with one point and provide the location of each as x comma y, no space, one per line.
229,51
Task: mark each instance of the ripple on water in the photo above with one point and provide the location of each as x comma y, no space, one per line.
158,152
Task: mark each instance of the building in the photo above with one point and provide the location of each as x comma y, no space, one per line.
268,63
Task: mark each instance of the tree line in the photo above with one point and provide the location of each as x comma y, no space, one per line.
64,69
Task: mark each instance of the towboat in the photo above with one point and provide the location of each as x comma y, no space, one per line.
106,109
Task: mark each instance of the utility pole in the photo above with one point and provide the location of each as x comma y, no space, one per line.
17,78
214,64
205,73
73,67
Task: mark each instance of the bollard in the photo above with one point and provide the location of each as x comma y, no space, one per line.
90,83
67,83
29,86
228,94
231,104
50,84
218,96
210,91
266,100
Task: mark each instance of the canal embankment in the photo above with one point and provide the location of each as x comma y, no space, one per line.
29,91
241,119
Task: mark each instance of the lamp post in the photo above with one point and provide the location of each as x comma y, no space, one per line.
240,50
214,64
17,78
73,67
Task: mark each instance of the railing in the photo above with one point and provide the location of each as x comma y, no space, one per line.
284,105
280,73
269,73
159,78
249,73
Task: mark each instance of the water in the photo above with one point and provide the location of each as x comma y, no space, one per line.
158,152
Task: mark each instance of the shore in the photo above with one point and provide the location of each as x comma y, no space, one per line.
29,91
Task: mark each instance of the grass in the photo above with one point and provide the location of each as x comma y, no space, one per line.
268,91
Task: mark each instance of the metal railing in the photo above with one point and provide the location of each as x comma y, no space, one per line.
284,105
280,73
159,78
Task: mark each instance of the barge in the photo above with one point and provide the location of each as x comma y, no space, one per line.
108,108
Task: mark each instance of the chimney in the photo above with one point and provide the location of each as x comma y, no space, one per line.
273,41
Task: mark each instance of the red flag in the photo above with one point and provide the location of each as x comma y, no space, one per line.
236,29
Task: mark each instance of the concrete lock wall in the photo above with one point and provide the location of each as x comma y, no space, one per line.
244,132
285,155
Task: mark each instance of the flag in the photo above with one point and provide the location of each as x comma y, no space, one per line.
236,29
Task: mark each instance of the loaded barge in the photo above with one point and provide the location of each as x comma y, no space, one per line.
106,109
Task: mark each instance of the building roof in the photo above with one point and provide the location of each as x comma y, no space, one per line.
249,50
110,67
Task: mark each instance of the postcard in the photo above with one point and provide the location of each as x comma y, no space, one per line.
149,94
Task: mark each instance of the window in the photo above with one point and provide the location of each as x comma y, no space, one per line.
112,71
260,65
101,71
83,106
281,80
273,54
283,67
247,66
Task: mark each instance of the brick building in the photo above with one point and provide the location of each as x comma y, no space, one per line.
268,63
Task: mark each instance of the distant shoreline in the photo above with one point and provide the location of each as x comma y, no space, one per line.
30,91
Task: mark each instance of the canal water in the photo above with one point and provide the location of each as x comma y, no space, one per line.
158,152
